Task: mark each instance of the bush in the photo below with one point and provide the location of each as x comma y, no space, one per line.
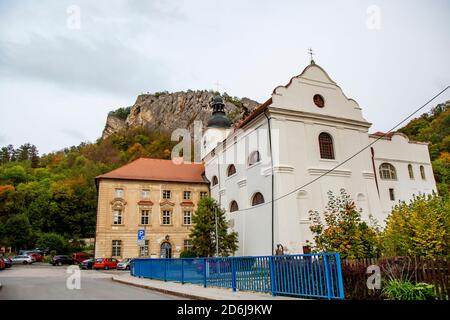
187,253
53,242
405,290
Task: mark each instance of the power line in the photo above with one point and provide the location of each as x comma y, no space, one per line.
354,155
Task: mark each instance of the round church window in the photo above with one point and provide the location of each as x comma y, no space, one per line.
318,101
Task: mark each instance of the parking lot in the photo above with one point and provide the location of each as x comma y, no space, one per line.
42,281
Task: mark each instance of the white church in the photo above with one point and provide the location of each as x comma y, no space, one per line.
279,162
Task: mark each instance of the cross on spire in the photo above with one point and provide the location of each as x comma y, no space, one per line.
311,53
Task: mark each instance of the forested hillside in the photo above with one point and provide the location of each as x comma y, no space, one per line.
434,127
53,198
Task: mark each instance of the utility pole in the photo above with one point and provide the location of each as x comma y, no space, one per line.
217,232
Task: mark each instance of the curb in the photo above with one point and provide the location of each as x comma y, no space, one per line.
165,291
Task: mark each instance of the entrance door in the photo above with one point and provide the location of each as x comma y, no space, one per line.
166,250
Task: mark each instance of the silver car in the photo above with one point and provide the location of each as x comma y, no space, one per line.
124,264
23,259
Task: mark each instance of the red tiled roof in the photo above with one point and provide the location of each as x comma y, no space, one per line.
382,134
158,170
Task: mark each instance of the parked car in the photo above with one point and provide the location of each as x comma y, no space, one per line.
87,264
60,260
2,264
105,263
79,257
124,264
22,259
7,261
37,257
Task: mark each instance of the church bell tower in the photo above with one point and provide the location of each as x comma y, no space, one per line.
218,126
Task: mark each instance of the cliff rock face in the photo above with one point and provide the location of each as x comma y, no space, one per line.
169,111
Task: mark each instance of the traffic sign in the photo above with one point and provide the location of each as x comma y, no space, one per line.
141,237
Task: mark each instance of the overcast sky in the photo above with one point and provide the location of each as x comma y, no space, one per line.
58,81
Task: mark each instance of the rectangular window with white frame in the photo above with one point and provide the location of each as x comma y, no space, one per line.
186,195
117,217
166,194
187,217
143,250
203,194
187,244
119,193
145,194
166,217
116,248
145,216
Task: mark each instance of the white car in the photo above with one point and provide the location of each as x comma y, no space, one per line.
23,259
124,264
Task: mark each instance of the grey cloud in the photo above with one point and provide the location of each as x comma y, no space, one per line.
93,66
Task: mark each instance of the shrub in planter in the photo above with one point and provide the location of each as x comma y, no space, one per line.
405,290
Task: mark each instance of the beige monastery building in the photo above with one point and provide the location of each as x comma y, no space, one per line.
157,196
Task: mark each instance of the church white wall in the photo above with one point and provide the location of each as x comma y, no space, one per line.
296,124
399,152
253,224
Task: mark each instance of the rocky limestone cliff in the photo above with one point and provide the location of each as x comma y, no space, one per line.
169,111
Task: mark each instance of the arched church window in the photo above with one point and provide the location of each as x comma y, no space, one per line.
234,206
387,172
257,198
411,172
231,170
326,146
422,172
254,158
215,180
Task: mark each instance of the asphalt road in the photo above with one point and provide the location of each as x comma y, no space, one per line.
45,282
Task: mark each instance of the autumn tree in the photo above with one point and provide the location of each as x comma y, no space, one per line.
419,228
343,229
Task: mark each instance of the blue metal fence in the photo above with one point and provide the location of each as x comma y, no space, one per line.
304,275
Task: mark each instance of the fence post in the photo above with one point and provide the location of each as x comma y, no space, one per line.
233,274
182,271
165,269
204,272
272,275
327,275
339,274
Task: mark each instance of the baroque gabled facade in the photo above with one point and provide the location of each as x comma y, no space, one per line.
288,150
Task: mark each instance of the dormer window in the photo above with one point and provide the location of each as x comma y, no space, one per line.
145,194
118,193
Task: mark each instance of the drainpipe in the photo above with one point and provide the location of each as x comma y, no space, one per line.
220,203
374,170
272,180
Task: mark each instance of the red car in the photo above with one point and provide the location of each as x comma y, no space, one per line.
78,258
2,264
37,257
105,263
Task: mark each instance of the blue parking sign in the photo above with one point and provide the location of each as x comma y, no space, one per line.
141,234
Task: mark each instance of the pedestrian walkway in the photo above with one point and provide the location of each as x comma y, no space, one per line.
197,292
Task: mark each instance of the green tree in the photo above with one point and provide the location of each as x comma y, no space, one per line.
53,242
203,234
419,228
17,232
14,175
343,229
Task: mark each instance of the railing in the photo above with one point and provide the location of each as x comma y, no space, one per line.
306,275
